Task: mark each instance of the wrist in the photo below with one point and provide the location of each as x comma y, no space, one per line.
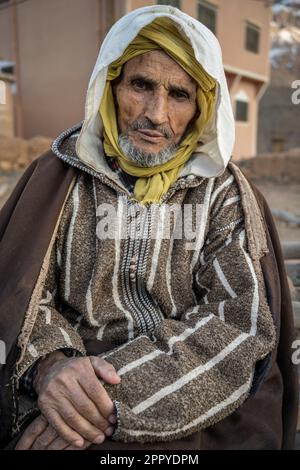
44,365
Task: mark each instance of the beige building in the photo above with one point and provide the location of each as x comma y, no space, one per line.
6,105
54,45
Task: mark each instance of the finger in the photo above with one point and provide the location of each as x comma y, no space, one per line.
87,409
31,433
105,370
60,444
97,393
77,422
109,431
45,438
63,430
85,446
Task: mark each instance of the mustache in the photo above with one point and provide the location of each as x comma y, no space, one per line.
145,123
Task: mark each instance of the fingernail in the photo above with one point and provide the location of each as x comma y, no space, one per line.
99,439
78,443
112,419
111,373
109,431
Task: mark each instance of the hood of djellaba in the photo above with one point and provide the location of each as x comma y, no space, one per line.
84,142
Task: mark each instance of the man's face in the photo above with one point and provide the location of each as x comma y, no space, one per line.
156,100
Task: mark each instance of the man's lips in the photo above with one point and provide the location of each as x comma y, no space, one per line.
151,135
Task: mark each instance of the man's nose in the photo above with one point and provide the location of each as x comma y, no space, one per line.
157,107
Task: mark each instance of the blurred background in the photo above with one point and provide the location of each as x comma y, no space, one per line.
48,50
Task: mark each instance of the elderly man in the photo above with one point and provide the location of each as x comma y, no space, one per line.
143,298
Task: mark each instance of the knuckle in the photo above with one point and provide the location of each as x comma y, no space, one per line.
70,415
42,401
62,378
86,410
83,362
93,387
73,364
102,424
47,391
91,435
31,432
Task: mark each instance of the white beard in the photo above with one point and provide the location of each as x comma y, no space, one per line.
145,159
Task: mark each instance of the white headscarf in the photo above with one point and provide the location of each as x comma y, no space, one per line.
214,151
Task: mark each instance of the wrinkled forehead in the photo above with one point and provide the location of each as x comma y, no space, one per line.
157,63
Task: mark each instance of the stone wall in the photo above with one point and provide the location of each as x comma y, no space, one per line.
282,167
18,153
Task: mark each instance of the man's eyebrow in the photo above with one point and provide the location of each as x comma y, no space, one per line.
151,82
139,76
180,89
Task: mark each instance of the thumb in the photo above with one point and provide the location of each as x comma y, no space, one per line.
105,370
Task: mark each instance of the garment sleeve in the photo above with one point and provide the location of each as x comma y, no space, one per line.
51,330
199,368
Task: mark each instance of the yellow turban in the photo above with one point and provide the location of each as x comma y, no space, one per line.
154,182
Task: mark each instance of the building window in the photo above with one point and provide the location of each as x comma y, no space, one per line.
241,110
172,3
8,69
207,14
6,66
252,37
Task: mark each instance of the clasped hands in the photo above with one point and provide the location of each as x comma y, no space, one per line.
76,410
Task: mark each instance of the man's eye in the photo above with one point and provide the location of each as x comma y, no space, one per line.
180,95
139,84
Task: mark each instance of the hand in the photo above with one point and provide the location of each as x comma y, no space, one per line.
41,436
72,399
